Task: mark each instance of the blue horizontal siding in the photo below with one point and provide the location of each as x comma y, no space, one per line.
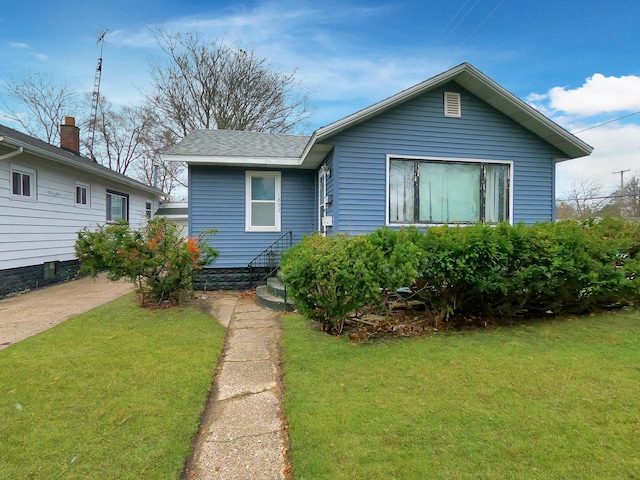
217,201
419,128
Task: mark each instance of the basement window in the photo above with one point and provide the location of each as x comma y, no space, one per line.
452,107
49,270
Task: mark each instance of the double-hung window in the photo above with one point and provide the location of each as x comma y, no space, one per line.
262,201
117,206
435,191
82,194
23,183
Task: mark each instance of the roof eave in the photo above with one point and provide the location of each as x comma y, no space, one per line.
234,161
81,166
521,112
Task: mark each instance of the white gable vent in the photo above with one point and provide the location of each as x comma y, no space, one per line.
452,105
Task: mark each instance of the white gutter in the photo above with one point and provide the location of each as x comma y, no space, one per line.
234,161
17,151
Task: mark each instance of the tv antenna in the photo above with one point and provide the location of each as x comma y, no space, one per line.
96,93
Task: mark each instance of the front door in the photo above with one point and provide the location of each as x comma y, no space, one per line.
322,201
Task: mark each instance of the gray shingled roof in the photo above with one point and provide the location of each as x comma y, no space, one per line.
235,143
221,146
34,145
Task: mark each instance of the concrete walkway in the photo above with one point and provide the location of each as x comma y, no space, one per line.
243,433
25,315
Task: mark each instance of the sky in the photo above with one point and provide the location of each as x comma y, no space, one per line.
576,62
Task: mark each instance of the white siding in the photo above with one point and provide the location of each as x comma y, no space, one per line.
33,232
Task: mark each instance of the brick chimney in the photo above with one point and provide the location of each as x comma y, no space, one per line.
70,135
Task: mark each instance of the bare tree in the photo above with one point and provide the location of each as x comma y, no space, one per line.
211,85
121,136
564,210
152,169
129,139
586,198
628,197
39,104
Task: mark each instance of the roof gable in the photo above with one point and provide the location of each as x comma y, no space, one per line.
476,82
251,149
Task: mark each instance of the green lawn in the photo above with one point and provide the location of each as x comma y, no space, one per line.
548,400
114,393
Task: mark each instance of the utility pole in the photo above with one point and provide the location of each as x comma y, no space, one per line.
621,172
96,94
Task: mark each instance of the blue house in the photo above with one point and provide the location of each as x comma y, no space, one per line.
455,149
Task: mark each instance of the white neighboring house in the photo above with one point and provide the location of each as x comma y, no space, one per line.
48,194
176,213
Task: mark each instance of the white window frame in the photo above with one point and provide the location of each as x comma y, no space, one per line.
108,211
443,159
87,187
248,201
148,213
33,186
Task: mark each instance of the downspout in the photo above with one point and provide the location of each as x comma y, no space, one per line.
17,151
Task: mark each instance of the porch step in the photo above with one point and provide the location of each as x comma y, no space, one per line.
271,296
275,287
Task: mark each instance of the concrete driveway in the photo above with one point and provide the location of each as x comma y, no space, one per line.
25,315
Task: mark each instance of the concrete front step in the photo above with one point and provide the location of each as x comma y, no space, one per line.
265,298
275,287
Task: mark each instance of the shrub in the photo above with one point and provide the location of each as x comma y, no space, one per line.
462,266
399,257
613,244
331,276
157,259
477,270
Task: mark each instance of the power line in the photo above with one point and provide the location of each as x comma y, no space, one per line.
461,20
482,22
596,198
451,20
604,123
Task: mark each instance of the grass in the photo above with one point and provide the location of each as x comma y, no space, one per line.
555,399
113,393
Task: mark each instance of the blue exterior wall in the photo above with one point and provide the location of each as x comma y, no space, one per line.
217,201
419,128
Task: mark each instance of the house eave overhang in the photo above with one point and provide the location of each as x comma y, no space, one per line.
95,170
470,78
233,161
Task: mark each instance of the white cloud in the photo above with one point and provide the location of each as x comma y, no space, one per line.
318,43
599,94
615,148
616,145
26,46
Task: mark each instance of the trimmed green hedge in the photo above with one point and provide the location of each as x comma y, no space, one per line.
477,270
